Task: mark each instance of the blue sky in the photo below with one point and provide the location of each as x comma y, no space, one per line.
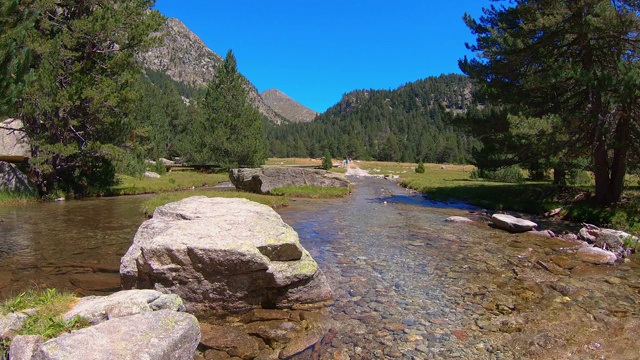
317,50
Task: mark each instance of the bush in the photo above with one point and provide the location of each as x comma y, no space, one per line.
160,167
420,168
327,164
508,174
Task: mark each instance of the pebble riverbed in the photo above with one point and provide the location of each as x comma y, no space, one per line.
409,285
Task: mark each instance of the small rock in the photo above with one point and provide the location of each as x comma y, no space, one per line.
458,219
229,339
24,347
596,255
512,223
151,174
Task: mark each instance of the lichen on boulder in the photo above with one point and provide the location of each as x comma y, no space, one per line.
223,255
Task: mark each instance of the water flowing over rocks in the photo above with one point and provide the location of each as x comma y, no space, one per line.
263,180
223,255
409,285
512,223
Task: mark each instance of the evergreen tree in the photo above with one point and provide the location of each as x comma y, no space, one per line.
420,168
327,163
576,60
76,98
229,130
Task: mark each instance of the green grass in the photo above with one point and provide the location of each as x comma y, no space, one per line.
49,305
452,182
12,199
173,181
149,206
311,192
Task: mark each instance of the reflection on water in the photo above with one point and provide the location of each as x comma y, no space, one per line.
74,245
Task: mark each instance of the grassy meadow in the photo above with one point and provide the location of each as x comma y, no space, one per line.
443,182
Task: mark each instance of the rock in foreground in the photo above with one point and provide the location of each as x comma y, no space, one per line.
162,334
224,255
512,223
263,180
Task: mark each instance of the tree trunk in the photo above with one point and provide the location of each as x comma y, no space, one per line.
601,172
619,162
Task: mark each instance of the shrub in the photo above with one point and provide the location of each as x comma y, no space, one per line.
327,164
159,167
508,174
420,168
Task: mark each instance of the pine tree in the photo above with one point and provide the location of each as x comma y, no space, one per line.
577,60
76,98
229,131
327,163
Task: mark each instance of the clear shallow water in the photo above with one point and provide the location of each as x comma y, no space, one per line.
407,284
73,245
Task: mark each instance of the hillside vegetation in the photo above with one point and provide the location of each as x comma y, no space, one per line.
415,121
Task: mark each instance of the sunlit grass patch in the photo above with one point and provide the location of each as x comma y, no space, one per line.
172,181
311,192
149,206
9,198
47,306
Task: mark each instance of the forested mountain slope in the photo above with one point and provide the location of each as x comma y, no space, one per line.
185,58
415,121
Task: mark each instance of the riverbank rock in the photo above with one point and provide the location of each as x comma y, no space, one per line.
13,141
596,255
97,309
512,223
609,239
13,180
458,220
162,334
133,324
223,255
263,180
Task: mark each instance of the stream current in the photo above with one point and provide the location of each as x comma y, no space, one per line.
407,284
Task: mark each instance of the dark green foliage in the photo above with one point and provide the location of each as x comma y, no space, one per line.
225,129
508,174
572,61
327,164
414,121
76,99
420,168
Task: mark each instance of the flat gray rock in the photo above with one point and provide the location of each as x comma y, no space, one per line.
157,335
458,219
97,309
512,223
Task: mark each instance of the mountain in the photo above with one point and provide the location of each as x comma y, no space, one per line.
184,57
287,107
415,121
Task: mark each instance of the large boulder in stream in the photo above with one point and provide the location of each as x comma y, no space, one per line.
263,180
223,255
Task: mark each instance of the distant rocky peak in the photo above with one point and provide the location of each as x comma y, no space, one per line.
186,59
287,107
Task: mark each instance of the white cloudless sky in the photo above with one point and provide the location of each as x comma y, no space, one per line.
317,50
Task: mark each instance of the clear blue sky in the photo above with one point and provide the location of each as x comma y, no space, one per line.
317,50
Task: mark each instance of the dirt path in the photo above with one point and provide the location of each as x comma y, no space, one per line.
354,170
